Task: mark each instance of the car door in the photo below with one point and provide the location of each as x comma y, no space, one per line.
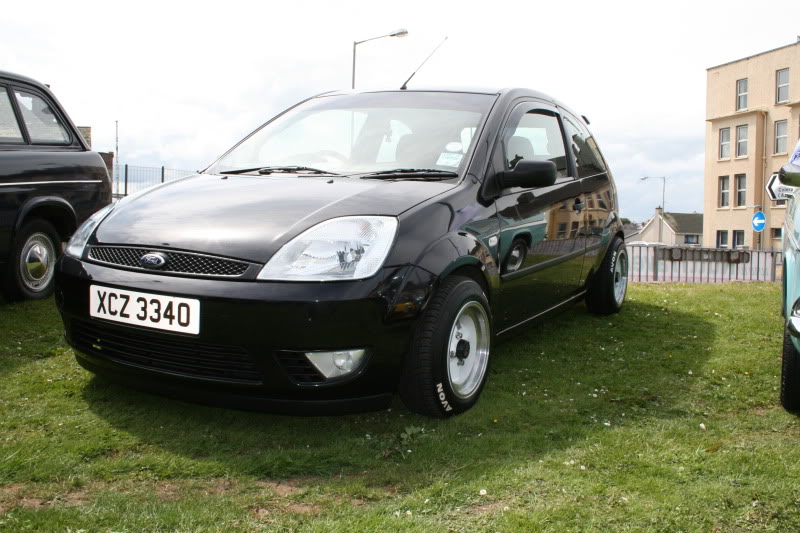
11,137
597,188
540,249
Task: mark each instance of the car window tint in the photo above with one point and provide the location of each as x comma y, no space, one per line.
538,137
9,129
588,160
42,123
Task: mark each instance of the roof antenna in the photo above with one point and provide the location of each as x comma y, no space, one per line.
405,85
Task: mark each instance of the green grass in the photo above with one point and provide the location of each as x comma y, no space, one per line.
587,423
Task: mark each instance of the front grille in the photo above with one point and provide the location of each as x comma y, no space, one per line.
177,262
299,368
166,353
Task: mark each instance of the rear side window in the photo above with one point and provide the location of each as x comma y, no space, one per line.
538,137
43,124
9,129
588,160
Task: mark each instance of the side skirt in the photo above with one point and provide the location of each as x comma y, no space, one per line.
568,301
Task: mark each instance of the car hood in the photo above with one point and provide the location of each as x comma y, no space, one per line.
251,217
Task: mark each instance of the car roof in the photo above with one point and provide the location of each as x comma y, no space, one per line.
507,94
498,91
24,79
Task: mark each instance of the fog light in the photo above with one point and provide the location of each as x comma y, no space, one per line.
338,363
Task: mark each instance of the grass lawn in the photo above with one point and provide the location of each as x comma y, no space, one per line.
662,418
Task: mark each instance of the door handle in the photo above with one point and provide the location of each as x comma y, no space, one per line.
579,205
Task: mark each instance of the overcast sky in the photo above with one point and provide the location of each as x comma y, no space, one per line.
188,80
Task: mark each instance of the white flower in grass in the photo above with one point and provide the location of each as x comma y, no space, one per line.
482,492
703,427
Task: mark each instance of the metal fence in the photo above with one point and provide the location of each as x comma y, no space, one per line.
130,178
649,263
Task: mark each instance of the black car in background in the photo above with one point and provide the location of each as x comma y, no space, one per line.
357,245
50,182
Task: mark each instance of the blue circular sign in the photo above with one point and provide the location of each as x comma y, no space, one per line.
759,221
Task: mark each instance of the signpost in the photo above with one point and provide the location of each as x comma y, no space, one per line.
759,221
777,190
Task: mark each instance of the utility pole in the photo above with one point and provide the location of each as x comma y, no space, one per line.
116,154
397,33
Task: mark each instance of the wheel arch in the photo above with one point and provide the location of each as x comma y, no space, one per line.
55,210
463,254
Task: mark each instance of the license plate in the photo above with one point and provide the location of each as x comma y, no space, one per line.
144,309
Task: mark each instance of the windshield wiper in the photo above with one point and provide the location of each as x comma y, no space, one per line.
288,168
411,173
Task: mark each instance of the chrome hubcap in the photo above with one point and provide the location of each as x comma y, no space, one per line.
36,261
621,277
468,349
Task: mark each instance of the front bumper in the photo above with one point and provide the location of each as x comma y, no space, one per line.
251,335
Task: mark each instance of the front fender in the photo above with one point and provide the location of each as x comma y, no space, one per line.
461,249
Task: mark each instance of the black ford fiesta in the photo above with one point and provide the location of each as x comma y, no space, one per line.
357,245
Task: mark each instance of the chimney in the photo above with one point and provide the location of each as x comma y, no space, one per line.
659,211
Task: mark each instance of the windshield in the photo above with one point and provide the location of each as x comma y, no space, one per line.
362,133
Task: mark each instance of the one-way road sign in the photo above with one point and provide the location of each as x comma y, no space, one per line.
759,221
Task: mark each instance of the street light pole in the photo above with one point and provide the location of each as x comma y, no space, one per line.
396,33
663,203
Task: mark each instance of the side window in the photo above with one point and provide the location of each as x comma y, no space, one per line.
40,119
536,136
9,129
588,160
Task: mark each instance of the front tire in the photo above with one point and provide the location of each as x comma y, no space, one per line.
446,368
609,285
790,375
32,262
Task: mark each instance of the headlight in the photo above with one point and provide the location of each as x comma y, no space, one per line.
340,248
78,241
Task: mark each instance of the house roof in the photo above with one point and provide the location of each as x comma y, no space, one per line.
630,230
755,55
685,222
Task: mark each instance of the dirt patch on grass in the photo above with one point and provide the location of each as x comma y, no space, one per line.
280,488
487,508
17,495
263,513
303,508
167,491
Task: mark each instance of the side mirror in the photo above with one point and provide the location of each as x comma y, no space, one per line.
528,173
790,175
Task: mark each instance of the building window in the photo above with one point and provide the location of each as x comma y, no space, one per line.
738,238
722,238
777,233
724,191
741,190
562,231
741,141
691,239
725,143
782,86
574,230
781,136
741,94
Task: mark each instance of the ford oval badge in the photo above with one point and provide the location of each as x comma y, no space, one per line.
153,260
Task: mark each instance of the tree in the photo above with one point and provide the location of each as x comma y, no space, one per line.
626,221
